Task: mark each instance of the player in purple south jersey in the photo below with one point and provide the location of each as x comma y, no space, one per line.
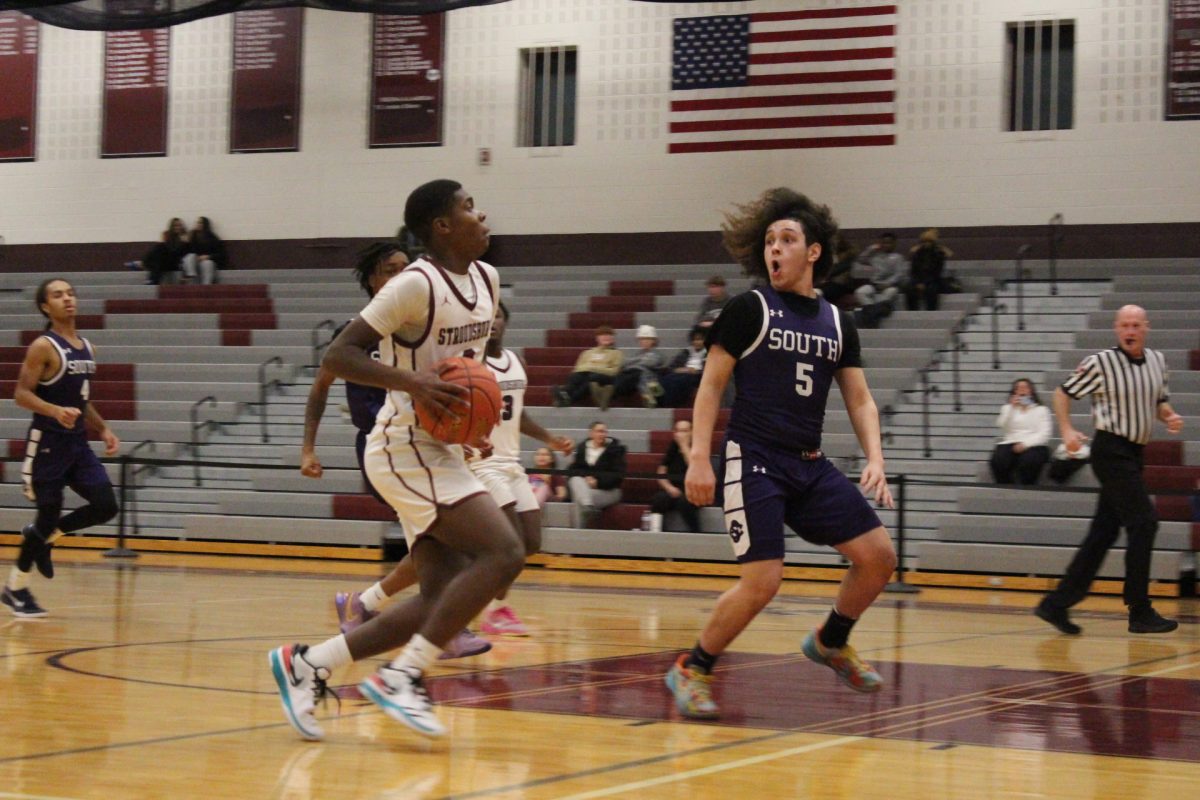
376,265
55,383
784,345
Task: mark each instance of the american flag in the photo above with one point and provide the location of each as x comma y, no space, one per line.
783,80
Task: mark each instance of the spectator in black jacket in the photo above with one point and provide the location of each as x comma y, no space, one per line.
671,495
595,476
925,278
207,254
164,259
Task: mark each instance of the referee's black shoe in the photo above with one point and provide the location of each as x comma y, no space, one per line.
1147,620
1057,617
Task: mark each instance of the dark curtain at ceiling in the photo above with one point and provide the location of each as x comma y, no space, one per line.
116,15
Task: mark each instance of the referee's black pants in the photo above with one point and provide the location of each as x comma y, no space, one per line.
1124,502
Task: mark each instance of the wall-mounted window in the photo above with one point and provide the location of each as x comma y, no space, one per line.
1041,75
548,88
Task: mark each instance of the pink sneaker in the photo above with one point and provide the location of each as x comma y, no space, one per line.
503,622
350,610
465,644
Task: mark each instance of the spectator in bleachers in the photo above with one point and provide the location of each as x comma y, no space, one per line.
595,476
643,371
206,254
163,261
1025,429
594,373
684,371
928,259
671,495
546,487
838,286
885,270
710,309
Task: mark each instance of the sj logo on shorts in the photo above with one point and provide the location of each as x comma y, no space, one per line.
736,530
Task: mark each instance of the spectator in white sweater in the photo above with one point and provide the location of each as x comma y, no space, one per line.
1025,428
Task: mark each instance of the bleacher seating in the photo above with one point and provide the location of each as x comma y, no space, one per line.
163,349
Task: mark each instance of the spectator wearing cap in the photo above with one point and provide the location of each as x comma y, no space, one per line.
595,370
643,370
684,371
710,309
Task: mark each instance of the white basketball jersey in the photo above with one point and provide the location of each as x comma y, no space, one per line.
506,436
461,310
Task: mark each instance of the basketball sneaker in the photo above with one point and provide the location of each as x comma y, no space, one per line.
41,551
350,611
21,603
503,621
692,690
854,672
465,644
301,686
402,696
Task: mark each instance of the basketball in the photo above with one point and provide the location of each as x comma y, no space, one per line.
480,410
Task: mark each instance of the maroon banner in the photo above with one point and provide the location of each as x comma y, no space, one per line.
267,47
18,85
1183,60
136,68
406,80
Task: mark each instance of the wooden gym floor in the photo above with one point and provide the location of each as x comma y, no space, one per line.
150,680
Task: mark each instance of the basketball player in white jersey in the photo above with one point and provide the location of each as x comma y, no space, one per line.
465,549
500,470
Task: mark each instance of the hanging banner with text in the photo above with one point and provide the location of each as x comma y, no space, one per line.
136,68
406,80
267,51
18,85
1183,60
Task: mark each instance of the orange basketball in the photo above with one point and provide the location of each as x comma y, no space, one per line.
480,410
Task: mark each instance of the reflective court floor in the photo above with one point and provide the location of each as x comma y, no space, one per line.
151,680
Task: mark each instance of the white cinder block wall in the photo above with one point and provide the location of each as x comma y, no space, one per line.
952,165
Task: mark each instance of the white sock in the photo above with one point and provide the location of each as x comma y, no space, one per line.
330,654
495,605
54,537
373,598
418,654
17,580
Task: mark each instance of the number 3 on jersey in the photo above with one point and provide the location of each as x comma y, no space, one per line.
804,384
506,414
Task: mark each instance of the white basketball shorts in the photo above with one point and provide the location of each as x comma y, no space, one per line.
507,482
417,476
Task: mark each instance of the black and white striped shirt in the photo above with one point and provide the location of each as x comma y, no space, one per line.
1125,391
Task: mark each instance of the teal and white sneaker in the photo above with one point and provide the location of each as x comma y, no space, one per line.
402,696
301,685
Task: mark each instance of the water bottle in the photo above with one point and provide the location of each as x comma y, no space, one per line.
646,520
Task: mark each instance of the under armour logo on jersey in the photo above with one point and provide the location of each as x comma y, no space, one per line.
775,312
736,530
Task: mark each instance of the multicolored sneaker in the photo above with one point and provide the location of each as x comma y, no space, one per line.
301,686
854,672
402,696
21,603
503,621
692,690
350,611
465,644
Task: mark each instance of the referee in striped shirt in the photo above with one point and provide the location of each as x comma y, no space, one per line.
1128,386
